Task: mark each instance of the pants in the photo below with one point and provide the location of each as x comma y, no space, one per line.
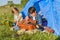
15,27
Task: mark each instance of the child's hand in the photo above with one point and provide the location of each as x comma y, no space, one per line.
26,18
37,26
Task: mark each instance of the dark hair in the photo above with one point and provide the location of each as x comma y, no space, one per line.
15,9
31,10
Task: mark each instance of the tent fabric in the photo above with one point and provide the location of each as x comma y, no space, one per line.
50,9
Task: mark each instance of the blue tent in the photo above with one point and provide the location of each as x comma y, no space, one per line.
50,9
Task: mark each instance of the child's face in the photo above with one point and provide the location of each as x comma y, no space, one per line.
33,14
15,12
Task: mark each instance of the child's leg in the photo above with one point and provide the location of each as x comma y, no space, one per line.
16,28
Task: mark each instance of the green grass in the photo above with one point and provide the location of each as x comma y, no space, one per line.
5,34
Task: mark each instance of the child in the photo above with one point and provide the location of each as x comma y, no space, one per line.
34,16
17,18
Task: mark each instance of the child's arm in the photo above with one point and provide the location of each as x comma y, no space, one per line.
19,18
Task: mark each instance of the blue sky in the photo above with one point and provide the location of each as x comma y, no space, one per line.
3,2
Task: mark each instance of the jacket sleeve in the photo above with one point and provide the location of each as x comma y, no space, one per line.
39,20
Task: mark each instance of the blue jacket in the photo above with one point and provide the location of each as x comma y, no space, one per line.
38,19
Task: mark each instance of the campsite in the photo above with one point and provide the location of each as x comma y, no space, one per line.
6,20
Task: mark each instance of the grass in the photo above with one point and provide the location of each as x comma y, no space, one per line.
5,34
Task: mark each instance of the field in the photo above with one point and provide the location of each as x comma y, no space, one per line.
6,18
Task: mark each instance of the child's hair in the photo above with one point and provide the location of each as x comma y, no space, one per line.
15,9
31,10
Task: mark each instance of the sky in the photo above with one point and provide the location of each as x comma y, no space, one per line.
3,2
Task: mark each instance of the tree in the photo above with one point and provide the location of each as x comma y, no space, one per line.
10,2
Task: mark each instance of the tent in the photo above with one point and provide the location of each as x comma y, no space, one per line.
50,9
